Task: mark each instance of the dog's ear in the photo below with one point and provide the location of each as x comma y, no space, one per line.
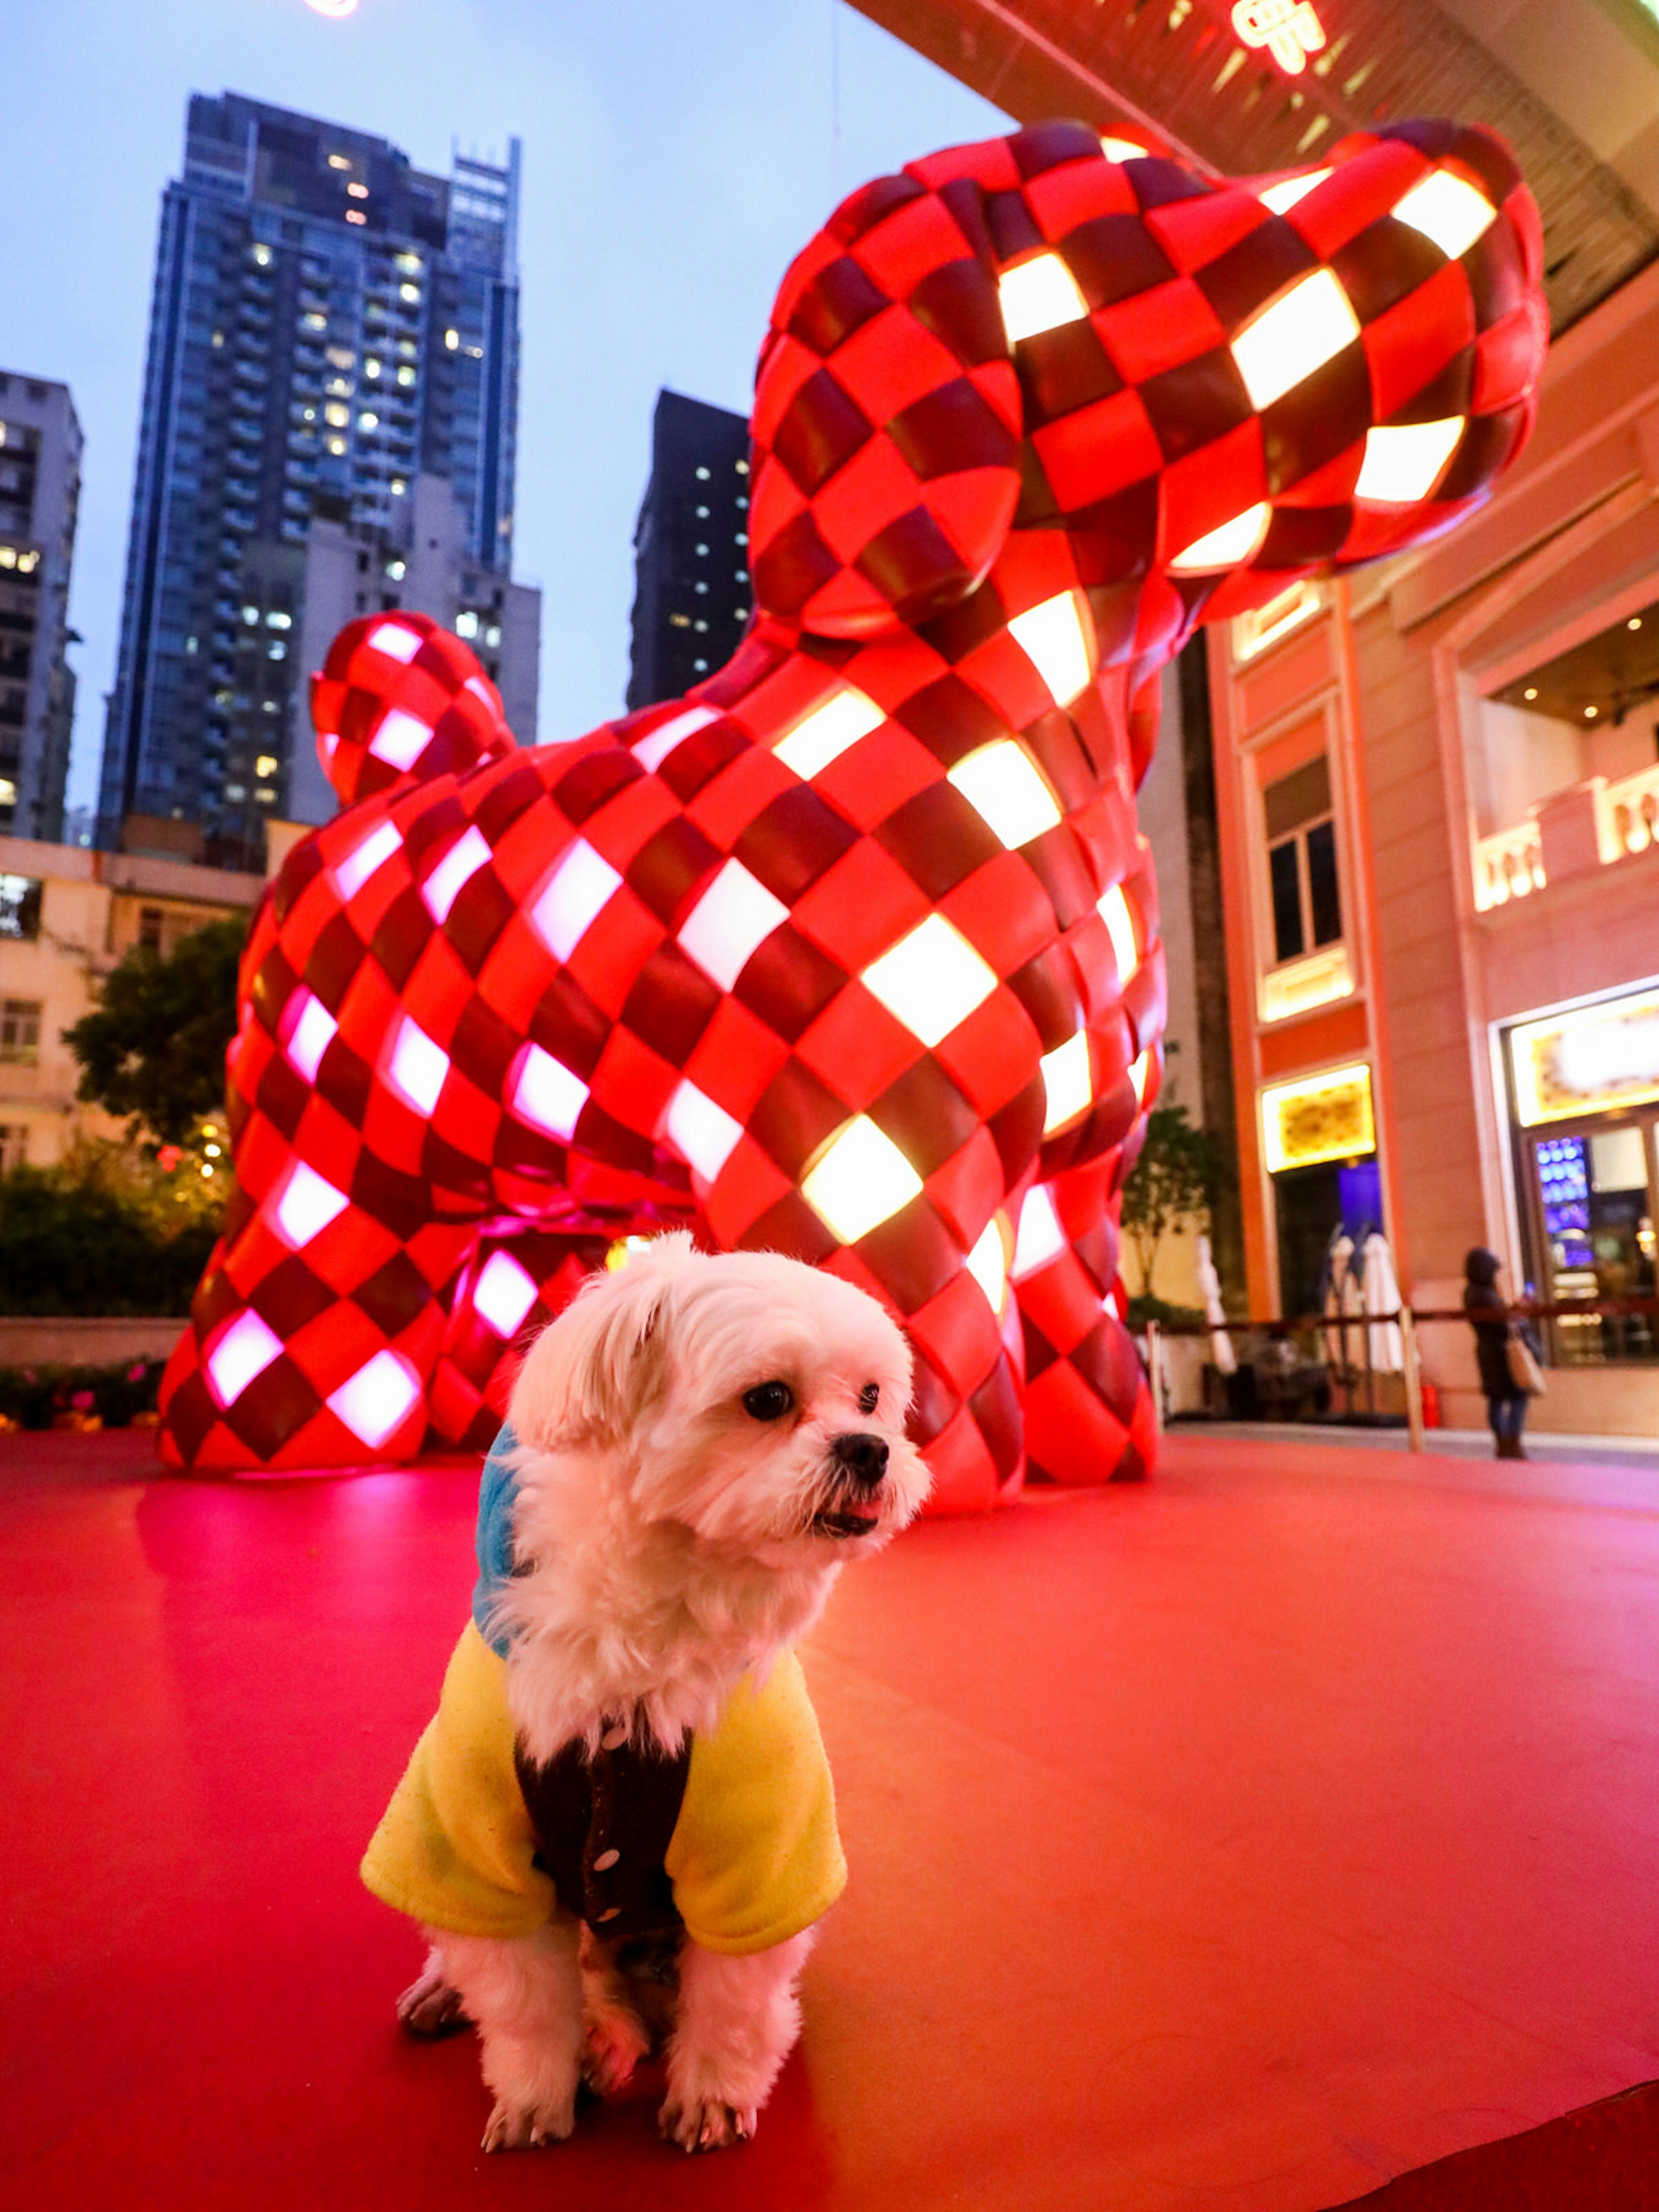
887,420
590,1370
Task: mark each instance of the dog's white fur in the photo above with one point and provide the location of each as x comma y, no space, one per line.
669,1542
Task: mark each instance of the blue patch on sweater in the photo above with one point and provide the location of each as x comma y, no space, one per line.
497,1493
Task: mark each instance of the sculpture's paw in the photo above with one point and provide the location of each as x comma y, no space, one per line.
705,2125
530,2123
431,2006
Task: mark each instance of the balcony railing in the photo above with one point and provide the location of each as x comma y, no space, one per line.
1627,814
1509,865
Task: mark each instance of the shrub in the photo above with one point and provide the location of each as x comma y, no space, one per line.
36,1397
106,1233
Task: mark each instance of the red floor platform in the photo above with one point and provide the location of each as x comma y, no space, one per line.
1242,1841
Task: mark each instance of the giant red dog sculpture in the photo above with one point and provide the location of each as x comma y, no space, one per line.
852,954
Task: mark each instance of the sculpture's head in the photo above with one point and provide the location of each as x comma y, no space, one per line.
400,696
1030,358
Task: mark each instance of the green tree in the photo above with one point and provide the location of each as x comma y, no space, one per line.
1173,1185
154,1048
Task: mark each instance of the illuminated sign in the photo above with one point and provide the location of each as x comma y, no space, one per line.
1588,1061
1319,1117
1289,29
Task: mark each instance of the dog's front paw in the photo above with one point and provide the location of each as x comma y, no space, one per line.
518,2125
431,2006
705,2124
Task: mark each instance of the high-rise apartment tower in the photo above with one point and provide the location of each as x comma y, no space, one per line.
328,323
691,550
39,487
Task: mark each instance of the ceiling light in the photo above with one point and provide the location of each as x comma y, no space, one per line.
1226,546
1404,462
1002,783
1299,333
1590,713
1531,693
1039,296
1446,210
1052,637
1635,623
931,980
861,1180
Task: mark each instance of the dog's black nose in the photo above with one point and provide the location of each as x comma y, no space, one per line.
863,1456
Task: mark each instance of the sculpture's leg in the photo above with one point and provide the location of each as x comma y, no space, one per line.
1089,1415
315,1332
516,1280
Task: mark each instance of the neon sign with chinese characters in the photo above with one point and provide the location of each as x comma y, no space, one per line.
1289,29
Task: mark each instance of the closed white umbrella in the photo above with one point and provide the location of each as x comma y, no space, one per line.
1381,1288
1342,1298
1221,1345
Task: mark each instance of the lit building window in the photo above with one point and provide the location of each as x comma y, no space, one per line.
1302,873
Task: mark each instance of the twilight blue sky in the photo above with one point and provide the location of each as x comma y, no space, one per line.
676,153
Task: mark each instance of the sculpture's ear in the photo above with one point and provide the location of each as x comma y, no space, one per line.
887,416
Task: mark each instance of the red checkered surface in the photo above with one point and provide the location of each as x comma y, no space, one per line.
853,952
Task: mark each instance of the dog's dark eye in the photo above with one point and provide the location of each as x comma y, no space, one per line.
769,1401
868,1397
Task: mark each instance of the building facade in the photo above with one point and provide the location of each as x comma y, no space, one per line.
328,323
67,917
691,550
1440,812
39,492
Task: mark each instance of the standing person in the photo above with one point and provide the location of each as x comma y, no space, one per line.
1506,1402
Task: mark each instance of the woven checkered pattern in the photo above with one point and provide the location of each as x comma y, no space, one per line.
854,953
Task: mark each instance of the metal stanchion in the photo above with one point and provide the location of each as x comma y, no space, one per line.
1413,1378
1155,1374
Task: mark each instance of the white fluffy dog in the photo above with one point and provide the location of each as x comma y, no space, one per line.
620,1820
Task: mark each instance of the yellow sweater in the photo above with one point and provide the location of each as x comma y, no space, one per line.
755,1855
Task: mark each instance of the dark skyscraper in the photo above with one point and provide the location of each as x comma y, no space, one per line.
328,322
691,549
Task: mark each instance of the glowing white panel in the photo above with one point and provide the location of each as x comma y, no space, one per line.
376,1398
311,1036
396,640
1291,190
1123,149
1225,547
1446,210
458,867
360,862
1002,782
987,1263
1052,637
1040,1237
825,734
503,1293
1404,464
331,743
479,689
733,915
651,751
578,891
862,1181
1114,911
401,738
1066,1076
547,1095
1296,334
244,1350
703,1133
930,979
1137,1074
417,1067
307,1206
1039,296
